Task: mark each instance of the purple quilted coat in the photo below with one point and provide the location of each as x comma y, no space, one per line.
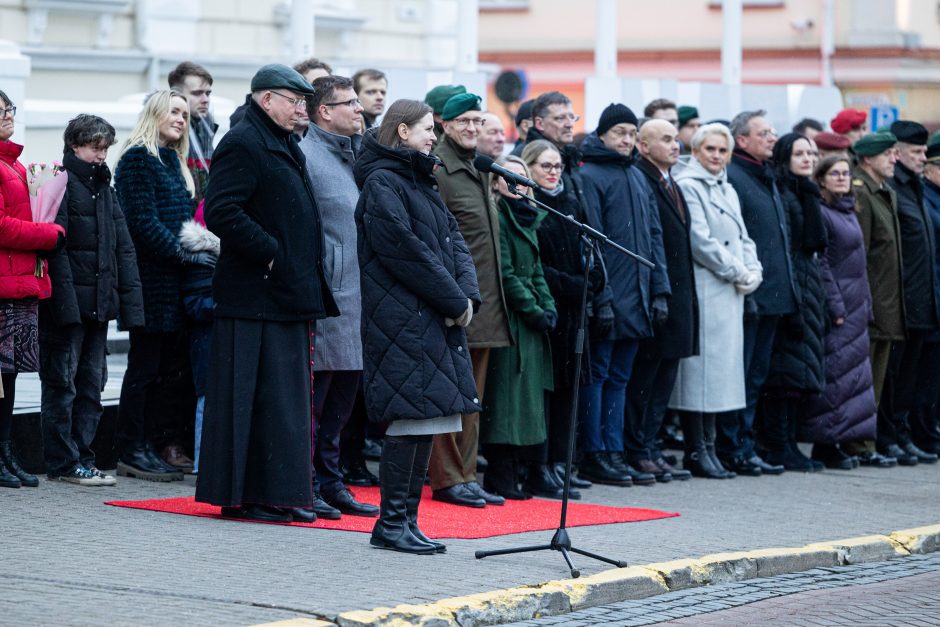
846,410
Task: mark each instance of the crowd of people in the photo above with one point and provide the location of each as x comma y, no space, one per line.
333,274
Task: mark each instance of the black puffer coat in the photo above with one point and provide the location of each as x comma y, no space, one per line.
416,271
95,277
798,358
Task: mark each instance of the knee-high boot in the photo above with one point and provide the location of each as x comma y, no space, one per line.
392,530
419,471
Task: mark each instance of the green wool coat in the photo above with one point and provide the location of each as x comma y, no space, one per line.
519,375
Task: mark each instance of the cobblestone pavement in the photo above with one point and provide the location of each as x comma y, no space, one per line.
898,592
65,558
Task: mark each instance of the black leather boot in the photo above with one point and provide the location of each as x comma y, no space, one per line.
710,432
542,482
418,472
13,465
392,530
502,474
696,459
7,478
576,481
596,467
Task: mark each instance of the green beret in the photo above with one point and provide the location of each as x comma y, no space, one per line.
461,103
438,97
278,76
687,114
874,143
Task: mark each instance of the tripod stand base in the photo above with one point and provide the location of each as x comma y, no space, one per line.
561,543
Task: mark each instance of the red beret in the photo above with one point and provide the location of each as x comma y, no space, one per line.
832,141
847,120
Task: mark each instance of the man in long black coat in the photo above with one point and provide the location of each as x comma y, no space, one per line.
268,287
752,177
657,361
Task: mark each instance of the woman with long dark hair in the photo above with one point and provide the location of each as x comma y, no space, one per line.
797,372
23,283
419,292
846,411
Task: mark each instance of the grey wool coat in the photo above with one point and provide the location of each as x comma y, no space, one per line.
330,159
713,380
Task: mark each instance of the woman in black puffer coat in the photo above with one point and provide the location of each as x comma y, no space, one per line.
797,370
419,292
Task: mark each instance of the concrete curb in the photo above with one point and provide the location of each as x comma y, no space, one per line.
636,582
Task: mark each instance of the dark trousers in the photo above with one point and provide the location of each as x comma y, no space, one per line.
558,421
157,398
736,428
899,394
924,418
334,395
73,371
647,397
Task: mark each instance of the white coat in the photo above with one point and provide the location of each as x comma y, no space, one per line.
713,380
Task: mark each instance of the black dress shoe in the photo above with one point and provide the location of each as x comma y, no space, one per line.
904,458
372,449
323,509
765,467
260,513
359,475
910,448
346,503
543,482
575,481
303,514
458,495
876,460
597,468
831,456
741,466
490,499
138,464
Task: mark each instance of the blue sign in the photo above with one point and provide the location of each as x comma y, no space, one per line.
882,117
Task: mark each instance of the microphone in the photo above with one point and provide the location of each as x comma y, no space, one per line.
485,164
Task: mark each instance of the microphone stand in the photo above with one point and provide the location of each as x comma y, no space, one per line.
560,541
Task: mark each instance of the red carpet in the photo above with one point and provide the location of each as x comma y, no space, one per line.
442,520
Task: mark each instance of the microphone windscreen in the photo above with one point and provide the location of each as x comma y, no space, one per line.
483,163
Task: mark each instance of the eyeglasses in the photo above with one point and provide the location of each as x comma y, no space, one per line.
767,132
298,103
349,103
465,122
547,167
9,111
569,117
837,174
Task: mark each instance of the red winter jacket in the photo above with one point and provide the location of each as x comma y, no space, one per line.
20,238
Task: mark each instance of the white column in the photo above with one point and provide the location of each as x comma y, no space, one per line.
301,30
827,45
731,13
468,36
605,40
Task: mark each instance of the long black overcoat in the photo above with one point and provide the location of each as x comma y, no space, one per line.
678,338
415,271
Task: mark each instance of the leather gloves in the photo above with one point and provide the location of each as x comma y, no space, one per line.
603,322
548,321
660,307
196,259
749,283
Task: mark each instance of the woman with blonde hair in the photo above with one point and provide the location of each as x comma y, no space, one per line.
512,424
155,190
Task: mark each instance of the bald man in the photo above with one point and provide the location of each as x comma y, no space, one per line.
492,139
657,361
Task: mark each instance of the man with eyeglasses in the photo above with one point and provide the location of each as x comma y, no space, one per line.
269,286
331,147
492,139
466,192
752,176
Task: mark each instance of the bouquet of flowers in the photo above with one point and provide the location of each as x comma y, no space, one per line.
46,190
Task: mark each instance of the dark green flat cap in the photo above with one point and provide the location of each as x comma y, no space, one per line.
279,76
